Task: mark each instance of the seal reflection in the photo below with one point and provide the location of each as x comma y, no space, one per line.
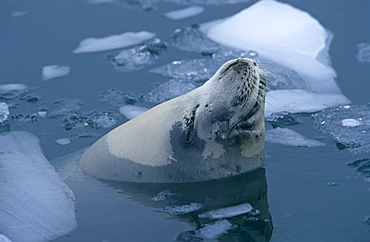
216,209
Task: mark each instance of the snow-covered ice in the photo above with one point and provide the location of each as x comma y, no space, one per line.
113,42
131,111
290,137
283,34
35,204
348,125
184,13
54,71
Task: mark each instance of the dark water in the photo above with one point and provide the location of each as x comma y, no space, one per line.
304,194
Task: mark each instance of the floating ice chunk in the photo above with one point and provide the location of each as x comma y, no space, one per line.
35,204
301,101
281,119
4,112
227,212
216,229
12,90
113,42
356,138
64,141
183,209
350,122
282,34
17,14
168,90
131,111
93,120
363,54
163,195
286,136
138,57
192,39
184,13
54,71
65,106
116,98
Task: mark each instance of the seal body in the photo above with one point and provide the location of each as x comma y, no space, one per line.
214,131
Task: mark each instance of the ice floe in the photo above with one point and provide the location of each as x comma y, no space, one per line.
348,125
64,141
216,229
112,42
131,111
35,204
184,13
290,137
183,209
227,212
54,71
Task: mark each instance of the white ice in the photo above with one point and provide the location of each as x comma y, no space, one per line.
288,37
54,71
227,212
3,238
112,42
301,101
290,137
184,13
349,122
12,87
35,205
131,111
64,141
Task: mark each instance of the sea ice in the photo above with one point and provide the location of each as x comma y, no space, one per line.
283,34
4,112
184,13
112,42
354,137
363,54
12,90
64,141
139,57
35,205
287,136
131,111
54,71
92,120
227,212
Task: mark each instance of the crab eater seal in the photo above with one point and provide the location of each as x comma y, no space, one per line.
214,131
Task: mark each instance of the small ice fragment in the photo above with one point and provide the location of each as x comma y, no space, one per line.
112,42
301,101
35,204
54,71
12,87
349,122
42,114
17,14
131,111
64,141
4,112
363,54
227,212
287,136
184,13
163,195
216,229
183,209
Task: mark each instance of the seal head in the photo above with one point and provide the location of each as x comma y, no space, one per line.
214,131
